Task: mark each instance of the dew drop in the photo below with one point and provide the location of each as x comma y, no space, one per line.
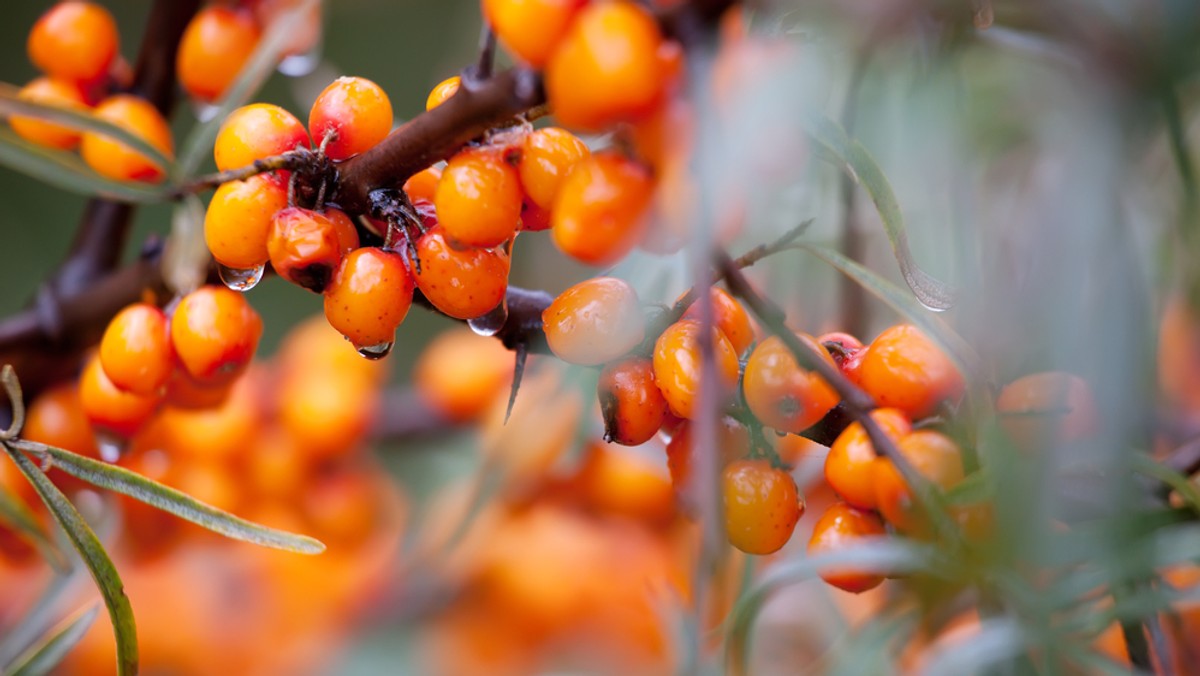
241,279
204,111
299,65
111,446
375,352
490,323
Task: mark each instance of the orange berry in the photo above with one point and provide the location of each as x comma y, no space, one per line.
136,350
462,283
74,41
606,68
215,46
732,443
459,373
423,184
306,246
513,22
256,132
842,526
113,159
904,369
343,507
51,92
478,198
599,212
730,317
935,456
1047,408
327,413
677,364
184,392
594,322
780,393
215,333
356,110
444,90
111,408
369,296
633,406
238,221
615,480
56,418
762,506
849,467
314,345
219,432
547,156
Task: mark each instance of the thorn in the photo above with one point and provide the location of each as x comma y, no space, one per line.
522,351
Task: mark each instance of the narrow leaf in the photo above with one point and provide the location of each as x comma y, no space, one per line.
996,641
68,172
972,490
17,516
43,656
1187,490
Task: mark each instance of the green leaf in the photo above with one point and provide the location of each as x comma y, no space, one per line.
46,654
997,640
972,490
68,172
138,487
1144,464
16,515
93,555
856,161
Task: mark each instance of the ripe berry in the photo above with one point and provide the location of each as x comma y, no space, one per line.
678,365
935,457
732,443
462,283
113,159
547,156
606,69
185,392
534,218
444,90
256,132
599,212
306,246
633,406
74,41
762,506
460,373
730,317
904,369
423,184
369,297
136,350
56,418
622,481
1047,408
512,20
51,92
594,322
213,50
356,110
780,393
218,432
841,526
849,467
215,333
478,198
111,408
238,221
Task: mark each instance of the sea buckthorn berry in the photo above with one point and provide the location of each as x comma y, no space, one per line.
356,110
935,456
306,246
51,92
238,221
534,218
606,69
459,373
1047,408
730,317
594,322
513,19
904,369
632,404
423,184
462,283
215,333
110,408
136,349
478,198
599,212
547,156
327,412
369,297
678,366
56,418
840,345
74,41
840,527
762,506
114,159
781,393
849,467
185,392
444,90
256,132
732,443
215,46
218,432
615,480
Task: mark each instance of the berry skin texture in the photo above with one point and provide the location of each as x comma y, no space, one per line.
110,408
935,457
547,156
215,47
444,90
732,443
115,160
136,350
74,41
460,373
238,221
255,132
677,364
512,20
841,526
306,246
423,184
60,94
356,110
215,333
849,467
633,406
730,317
904,369
369,296
599,212
463,284
594,322
780,393
762,506
478,198
606,69
1047,408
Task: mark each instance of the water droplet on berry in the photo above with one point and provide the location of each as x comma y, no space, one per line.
490,323
299,65
204,111
375,352
241,279
111,446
